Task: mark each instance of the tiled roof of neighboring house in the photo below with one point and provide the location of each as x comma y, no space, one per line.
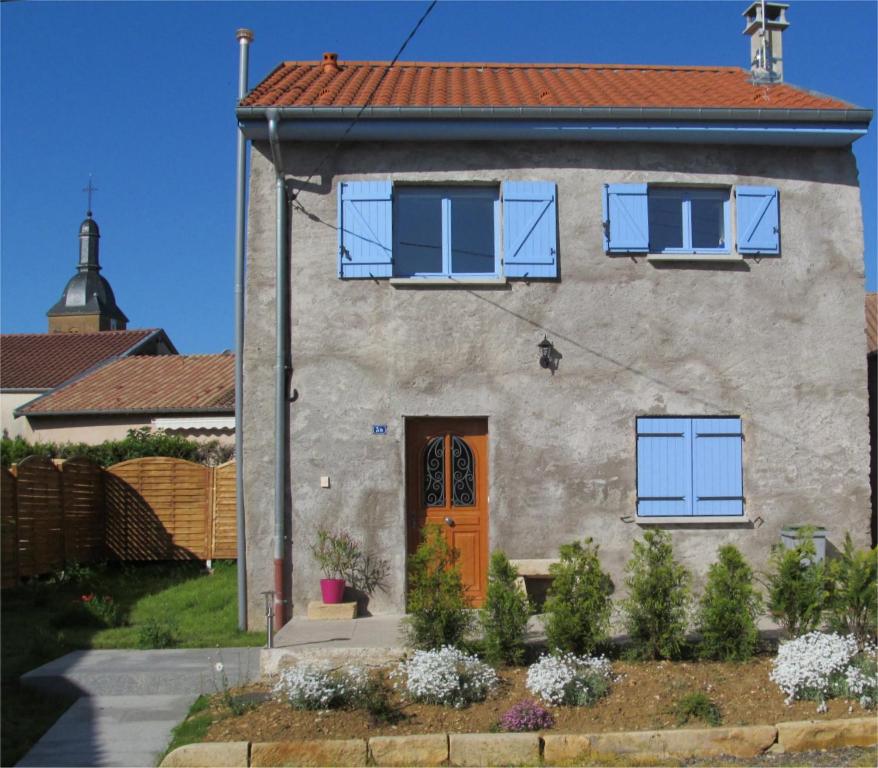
871,322
441,84
45,360
146,384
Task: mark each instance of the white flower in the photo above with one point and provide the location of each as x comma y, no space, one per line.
570,679
318,687
218,666
447,676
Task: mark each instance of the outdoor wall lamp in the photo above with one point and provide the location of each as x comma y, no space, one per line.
546,349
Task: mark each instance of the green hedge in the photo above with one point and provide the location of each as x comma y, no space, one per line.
137,444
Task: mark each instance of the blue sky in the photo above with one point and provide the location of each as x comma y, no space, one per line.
141,95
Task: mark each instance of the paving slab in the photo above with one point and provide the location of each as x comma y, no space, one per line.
111,731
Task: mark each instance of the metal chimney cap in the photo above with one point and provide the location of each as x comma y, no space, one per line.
776,16
244,34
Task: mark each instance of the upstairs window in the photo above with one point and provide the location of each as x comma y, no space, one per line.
446,231
688,220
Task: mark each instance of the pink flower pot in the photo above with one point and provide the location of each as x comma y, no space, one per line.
332,590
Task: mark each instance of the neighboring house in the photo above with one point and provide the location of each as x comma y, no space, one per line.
872,368
33,364
189,395
685,241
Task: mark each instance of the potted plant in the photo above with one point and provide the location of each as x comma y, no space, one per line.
337,554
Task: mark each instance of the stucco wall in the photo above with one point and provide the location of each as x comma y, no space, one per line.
9,401
777,341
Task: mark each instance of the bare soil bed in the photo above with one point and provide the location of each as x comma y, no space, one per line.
642,699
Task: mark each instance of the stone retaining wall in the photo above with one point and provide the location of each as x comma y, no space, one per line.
529,749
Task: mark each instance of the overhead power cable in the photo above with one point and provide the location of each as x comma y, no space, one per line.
371,95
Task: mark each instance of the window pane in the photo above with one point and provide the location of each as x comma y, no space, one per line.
418,222
472,235
433,477
708,223
665,220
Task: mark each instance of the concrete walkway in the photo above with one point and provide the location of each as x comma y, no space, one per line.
129,701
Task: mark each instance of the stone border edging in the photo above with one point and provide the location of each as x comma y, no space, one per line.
529,749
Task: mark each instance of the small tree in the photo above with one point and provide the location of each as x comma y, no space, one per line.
578,606
797,586
438,611
657,606
853,599
729,608
504,616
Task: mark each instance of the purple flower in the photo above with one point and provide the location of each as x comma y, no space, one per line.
527,715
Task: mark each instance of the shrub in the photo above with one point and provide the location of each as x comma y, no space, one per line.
820,665
797,586
310,686
570,679
578,607
446,676
853,598
504,616
103,609
157,633
374,697
658,599
729,609
697,706
438,611
525,716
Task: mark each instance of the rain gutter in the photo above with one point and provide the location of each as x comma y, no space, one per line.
281,367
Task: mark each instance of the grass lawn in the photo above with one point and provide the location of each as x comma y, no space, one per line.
176,605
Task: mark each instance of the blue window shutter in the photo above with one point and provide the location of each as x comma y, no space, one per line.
758,220
716,467
530,229
365,229
664,467
626,219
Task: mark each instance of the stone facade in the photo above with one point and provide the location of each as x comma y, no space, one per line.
774,340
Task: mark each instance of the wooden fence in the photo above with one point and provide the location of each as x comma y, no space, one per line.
156,508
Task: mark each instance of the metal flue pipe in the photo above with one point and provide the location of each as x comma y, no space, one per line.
245,37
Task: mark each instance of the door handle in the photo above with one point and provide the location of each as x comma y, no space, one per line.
449,522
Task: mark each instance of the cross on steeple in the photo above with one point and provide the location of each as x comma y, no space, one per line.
90,189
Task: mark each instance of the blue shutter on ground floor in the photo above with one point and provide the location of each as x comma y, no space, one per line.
365,229
664,462
530,229
758,220
716,467
626,219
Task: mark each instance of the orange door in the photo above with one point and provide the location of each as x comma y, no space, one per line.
447,485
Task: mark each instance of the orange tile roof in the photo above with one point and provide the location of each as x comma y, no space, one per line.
440,84
45,360
871,322
147,384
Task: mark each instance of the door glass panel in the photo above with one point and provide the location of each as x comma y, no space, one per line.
433,476
463,467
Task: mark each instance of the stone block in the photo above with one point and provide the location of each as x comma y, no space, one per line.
232,754
640,744
565,748
490,749
309,752
748,741
427,750
318,611
804,735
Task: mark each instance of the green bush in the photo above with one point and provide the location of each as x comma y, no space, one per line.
437,607
578,606
797,586
137,444
657,606
853,597
155,633
728,609
504,616
697,706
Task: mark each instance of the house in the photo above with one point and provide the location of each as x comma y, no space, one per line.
872,370
34,364
538,303
188,395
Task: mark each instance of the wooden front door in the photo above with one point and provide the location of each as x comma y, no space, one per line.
447,485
